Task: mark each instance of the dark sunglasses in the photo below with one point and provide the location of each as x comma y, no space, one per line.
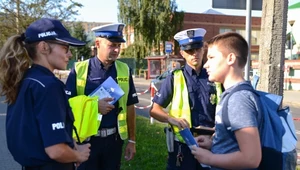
193,51
66,46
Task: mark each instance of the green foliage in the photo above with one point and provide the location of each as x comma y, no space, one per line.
78,32
138,51
151,149
153,21
16,15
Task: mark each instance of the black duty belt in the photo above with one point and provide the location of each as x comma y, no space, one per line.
52,166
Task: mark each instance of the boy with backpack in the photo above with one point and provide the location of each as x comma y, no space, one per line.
248,132
227,57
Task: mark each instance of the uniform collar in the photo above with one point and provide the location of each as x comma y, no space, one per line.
42,69
98,62
189,70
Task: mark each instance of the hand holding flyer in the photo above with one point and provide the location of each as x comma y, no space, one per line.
190,140
109,88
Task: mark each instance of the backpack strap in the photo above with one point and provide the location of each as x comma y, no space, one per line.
254,81
225,118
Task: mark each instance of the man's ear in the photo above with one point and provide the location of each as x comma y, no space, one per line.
181,53
97,42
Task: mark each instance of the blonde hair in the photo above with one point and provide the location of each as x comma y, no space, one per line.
14,61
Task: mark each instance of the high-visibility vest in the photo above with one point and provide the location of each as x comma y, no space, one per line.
81,69
85,111
219,91
180,107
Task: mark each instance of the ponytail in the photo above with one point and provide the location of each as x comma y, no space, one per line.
14,61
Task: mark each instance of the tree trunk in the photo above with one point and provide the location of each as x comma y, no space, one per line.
272,45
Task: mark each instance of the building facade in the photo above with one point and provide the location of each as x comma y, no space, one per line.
216,23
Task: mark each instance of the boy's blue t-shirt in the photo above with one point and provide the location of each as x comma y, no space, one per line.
244,111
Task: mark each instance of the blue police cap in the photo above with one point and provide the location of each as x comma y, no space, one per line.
49,29
112,32
190,38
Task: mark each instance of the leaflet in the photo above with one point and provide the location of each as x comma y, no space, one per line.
109,88
190,140
188,137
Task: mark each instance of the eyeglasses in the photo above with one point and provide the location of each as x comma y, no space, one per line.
66,46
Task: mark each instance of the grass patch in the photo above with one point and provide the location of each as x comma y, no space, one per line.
151,149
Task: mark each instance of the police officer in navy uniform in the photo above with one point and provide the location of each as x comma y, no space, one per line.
39,120
106,146
191,98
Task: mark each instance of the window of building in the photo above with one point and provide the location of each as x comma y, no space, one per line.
255,34
241,31
222,30
255,37
254,56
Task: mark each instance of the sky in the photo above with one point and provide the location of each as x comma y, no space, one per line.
107,10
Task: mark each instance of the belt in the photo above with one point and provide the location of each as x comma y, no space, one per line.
51,166
106,132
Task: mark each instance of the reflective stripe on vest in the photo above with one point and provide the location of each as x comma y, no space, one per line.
180,107
218,91
81,69
123,81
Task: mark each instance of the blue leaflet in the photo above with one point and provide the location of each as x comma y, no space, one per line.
109,88
188,137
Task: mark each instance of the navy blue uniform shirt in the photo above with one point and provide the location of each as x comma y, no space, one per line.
96,76
199,89
40,117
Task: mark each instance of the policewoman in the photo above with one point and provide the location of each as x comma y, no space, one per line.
117,122
39,120
191,97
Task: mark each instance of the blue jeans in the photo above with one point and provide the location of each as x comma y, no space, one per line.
291,160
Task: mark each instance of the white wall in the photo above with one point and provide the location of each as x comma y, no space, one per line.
293,14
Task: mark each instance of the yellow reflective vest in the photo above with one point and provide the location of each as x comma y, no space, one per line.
85,109
83,125
180,107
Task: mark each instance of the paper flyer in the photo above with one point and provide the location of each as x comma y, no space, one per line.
190,140
188,137
109,88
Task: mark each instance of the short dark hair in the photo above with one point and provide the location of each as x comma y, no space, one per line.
232,42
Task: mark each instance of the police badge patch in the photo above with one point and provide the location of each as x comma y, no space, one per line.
213,98
190,33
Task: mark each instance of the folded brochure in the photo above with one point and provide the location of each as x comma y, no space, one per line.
189,140
109,88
